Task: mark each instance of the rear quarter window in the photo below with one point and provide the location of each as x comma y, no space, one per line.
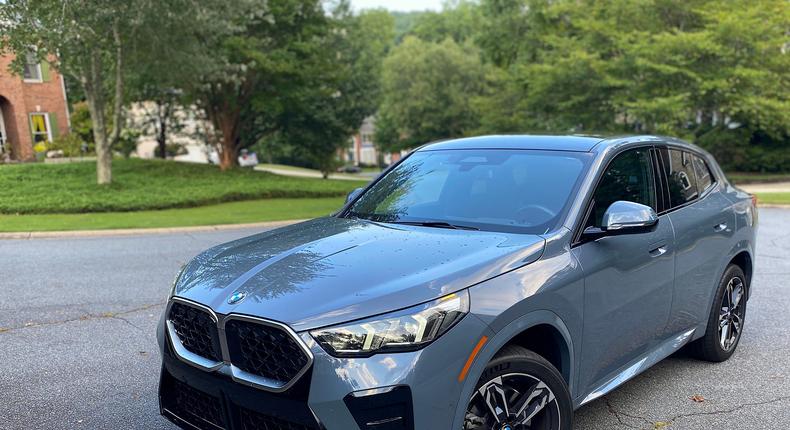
704,177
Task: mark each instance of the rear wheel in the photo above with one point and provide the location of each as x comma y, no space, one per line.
727,316
519,390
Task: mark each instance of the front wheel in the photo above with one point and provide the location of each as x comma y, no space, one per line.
726,319
519,390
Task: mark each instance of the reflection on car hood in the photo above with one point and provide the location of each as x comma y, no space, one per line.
332,270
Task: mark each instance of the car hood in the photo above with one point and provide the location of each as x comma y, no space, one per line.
332,270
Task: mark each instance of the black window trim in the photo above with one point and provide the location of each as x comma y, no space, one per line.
661,181
588,200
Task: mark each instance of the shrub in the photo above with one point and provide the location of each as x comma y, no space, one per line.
40,148
742,150
81,123
127,142
70,143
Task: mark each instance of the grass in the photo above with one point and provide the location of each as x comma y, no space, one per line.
773,198
146,185
757,178
225,213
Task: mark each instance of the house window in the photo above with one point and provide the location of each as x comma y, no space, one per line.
39,124
32,71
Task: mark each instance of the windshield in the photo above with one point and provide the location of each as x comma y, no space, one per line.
521,191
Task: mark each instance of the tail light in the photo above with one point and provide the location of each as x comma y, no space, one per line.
754,200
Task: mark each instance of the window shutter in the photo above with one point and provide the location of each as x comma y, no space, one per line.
46,76
53,125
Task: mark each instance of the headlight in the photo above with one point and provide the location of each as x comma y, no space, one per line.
405,330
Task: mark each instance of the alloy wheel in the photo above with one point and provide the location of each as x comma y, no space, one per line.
731,314
515,401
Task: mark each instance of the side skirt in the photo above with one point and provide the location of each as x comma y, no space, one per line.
663,351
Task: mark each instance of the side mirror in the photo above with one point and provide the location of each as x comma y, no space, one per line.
353,195
622,217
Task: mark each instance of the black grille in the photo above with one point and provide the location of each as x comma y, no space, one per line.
196,330
251,420
264,350
199,409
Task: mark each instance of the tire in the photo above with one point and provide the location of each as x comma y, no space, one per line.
529,384
712,347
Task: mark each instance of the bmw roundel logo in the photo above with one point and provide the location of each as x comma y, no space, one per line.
237,297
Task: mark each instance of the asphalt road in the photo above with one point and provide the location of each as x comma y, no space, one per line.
78,350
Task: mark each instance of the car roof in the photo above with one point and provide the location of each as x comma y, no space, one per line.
562,143
576,143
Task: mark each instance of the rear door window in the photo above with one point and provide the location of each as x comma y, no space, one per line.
681,178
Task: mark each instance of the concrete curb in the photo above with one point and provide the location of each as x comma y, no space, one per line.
176,230
142,231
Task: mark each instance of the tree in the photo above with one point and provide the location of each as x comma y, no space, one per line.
427,92
98,44
458,20
684,68
345,86
164,65
262,59
504,30
86,40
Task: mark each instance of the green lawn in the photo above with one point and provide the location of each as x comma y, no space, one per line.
38,188
773,198
225,213
757,178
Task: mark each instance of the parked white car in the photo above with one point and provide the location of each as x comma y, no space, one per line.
246,158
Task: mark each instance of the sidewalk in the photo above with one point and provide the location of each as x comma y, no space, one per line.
307,173
775,187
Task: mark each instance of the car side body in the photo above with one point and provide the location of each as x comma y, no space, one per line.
600,309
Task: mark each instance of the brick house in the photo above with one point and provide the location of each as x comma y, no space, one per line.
363,151
33,107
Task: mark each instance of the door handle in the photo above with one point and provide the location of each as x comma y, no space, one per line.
659,251
720,227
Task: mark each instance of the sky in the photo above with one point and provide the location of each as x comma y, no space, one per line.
398,5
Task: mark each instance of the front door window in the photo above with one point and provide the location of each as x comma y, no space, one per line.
630,178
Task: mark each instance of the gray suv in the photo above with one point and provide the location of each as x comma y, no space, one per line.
485,283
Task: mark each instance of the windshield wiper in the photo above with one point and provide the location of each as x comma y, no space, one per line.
437,224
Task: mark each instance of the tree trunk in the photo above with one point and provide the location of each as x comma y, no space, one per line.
228,153
93,84
103,165
162,114
118,119
103,151
228,158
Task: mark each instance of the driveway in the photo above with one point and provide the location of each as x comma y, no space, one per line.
77,344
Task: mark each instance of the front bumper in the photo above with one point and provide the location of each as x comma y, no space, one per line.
413,390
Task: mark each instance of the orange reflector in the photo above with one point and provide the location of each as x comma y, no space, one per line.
471,358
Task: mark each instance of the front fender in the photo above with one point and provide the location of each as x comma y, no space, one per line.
499,340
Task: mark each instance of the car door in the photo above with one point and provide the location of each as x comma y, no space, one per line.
628,278
704,222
